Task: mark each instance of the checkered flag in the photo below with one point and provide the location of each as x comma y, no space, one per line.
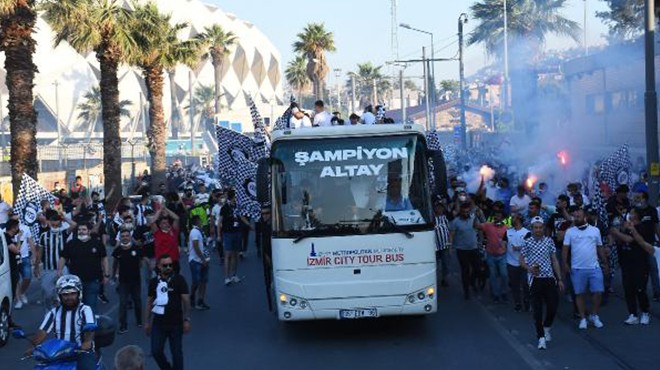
28,202
432,140
282,122
615,170
261,140
597,199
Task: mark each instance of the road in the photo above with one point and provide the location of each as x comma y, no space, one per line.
239,333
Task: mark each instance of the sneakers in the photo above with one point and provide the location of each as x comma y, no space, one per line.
227,281
542,344
19,304
547,335
645,319
235,279
583,324
595,320
123,330
24,299
202,306
632,320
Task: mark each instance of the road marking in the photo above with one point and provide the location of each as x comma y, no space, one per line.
522,350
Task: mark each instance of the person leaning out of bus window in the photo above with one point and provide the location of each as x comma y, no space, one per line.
395,201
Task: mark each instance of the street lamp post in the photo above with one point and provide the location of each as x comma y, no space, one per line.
462,19
337,77
431,72
132,143
651,105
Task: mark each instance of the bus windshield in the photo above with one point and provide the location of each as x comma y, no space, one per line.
350,186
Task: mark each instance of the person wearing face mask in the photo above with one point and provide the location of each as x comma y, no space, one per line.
85,256
51,245
539,257
128,260
496,255
649,228
585,245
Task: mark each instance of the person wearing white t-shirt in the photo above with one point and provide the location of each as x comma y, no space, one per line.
520,201
368,117
28,259
321,117
585,245
299,119
514,239
199,265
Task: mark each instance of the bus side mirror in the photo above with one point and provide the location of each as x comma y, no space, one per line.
263,180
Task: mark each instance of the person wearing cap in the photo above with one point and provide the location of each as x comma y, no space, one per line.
585,245
442,245
538,257
299,119
514,239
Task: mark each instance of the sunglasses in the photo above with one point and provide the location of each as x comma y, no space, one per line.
167,265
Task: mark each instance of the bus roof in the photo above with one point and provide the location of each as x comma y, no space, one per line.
346,131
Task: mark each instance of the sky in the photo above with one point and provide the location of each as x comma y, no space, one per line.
362,29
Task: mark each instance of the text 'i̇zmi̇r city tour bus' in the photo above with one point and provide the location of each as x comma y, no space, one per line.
352,222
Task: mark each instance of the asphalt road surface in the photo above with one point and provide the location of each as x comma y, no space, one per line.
239,333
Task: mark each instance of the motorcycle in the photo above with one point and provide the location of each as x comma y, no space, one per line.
57,354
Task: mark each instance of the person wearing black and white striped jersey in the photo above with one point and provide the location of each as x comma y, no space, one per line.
51,245
141,211
68,320
539,257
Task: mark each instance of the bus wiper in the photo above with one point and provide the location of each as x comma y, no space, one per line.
379,217
328,229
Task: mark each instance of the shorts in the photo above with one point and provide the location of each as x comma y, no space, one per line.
231,241
26,268
199,274
585,280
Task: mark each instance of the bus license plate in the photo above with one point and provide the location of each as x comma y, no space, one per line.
358,314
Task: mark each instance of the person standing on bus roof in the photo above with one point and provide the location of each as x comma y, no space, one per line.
321,117
368,117
299,119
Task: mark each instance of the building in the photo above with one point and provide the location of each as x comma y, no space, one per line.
252,69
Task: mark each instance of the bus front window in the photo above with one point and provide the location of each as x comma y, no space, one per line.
345,186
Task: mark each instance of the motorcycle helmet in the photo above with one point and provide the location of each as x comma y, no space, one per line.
69,284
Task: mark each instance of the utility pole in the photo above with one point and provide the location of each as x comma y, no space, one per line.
57,120
192,113
337,77
426,90
462,19
352,93
401,94
651,105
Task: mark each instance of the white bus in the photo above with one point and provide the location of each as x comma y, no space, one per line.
352,223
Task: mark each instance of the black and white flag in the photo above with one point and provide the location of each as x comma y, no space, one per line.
615,169
282,122
28,203
261,139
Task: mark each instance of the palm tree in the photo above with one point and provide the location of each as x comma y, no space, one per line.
90,109
219,43
159,47
100,26
296,75
370,84
529,22
313,43
17,20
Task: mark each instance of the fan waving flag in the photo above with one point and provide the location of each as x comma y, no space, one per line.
282,123
615,170
261,140
28,203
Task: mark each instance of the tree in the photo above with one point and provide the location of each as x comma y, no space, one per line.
159,47
625,18
100,26
17,21
219,42
313,43
90,109
367,77
203,101
529,22
296,75
448,88
410,85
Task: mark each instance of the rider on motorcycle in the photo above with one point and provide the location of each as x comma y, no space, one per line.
67,321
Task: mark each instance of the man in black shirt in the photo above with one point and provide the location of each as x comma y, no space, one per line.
12,229
230,236
649,229
86,257
128,260
167,314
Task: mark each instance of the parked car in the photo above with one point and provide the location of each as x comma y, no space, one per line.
5,294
